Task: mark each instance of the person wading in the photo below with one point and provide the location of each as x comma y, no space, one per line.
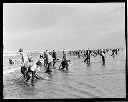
64,54
50,60
24,61
46,58
88,53
54,56
64,64
32,69
103,56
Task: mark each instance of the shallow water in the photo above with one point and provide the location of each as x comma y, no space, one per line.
80,81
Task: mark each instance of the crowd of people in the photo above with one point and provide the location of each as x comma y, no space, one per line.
46,59
29,67
87,54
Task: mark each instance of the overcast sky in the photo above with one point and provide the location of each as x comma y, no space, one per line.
58,26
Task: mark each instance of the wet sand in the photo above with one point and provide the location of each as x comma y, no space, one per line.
80,81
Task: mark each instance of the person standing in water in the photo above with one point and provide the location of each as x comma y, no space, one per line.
24,60
64,54
54,56
79,54
88,53
24,57
32,68
64,64
50,60
103,56
46,58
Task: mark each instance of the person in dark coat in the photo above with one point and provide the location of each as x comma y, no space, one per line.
64,54
54,56
46,58
64,64
103,56
88,54
78,54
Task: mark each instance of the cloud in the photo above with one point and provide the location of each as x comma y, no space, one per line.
53,26
25,17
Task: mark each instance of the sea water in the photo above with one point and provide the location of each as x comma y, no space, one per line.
80,81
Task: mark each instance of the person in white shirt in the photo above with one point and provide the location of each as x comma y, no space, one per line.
24,57
28,66
24,63
32,68
50,60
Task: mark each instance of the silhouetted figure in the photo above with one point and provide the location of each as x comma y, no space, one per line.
24,71
113,53
78,54
46,58
103,56
54,56
41,56
64,54
88,53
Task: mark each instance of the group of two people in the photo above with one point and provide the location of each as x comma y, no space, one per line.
49,59
29,67
88,54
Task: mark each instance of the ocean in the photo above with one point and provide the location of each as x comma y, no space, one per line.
79,81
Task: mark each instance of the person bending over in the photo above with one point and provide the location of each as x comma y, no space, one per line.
64,64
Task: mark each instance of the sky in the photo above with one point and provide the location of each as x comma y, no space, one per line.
37,27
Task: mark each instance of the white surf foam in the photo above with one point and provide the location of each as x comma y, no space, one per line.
11,70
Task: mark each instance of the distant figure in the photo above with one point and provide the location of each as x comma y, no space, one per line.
88,53
41,56
64,54
113,53
54,56
11,62
78,54
103,56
